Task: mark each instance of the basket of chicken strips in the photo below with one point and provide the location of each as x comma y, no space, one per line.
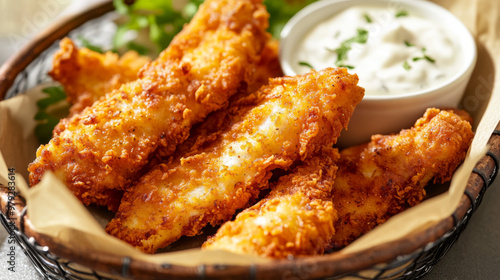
148,140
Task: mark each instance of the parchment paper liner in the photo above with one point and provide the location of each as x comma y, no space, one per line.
56,213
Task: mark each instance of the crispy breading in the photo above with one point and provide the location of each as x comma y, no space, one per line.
268,66
77,70
294,117
87,75
295,219
386,176
202,133
106,146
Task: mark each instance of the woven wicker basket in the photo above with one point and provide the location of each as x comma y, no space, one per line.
408,258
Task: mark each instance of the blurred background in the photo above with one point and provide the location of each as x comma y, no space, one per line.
20,20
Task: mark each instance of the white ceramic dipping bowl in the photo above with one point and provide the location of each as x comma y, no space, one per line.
384,114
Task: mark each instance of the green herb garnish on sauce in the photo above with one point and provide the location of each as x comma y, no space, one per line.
406,65
424,56
164,22
368,18
157,16
408,44
345,66
401,13
306,64
360,38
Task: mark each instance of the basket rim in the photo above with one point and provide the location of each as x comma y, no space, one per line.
327,265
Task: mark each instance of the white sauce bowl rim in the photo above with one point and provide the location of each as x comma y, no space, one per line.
302,17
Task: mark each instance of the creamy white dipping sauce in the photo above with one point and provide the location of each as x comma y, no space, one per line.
392,51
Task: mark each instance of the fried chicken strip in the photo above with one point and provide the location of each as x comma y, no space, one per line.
106,146
294,117
219,121
386,176
295,219
87,75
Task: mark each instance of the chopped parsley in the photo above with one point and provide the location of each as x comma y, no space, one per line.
345,66
361,38
306,64
401,13
424,56
408,44
367,18
406,65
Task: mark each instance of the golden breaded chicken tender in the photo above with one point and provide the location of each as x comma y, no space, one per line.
106,146
202,133
386,176
294,117
295,219
267,67
86,75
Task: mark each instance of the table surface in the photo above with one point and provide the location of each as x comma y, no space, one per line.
475,255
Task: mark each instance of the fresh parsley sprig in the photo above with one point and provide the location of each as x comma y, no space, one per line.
164,22
406,65
158,16
86,44
281,11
